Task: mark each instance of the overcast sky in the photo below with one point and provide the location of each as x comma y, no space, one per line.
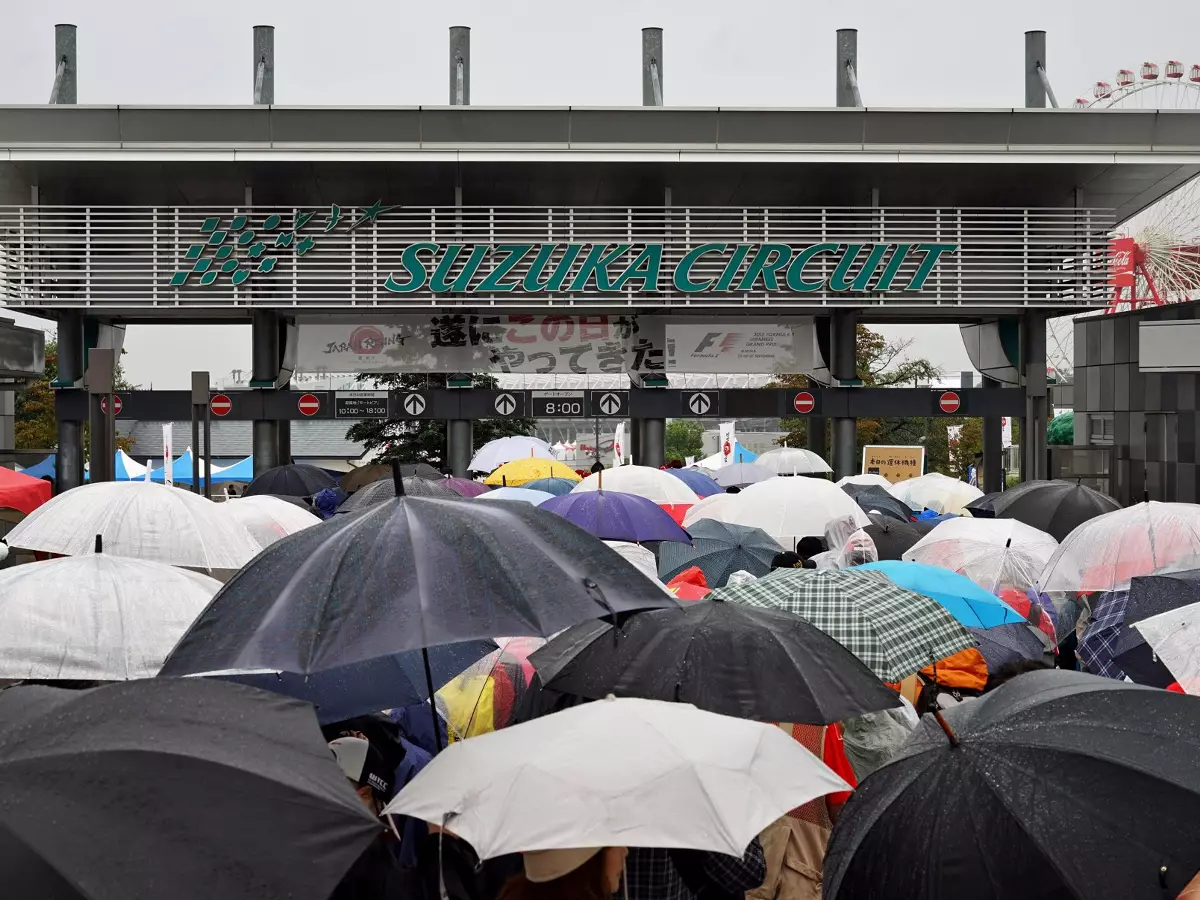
534,52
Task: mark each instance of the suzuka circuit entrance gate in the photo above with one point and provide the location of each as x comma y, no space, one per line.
619,241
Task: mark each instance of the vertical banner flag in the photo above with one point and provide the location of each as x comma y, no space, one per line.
149,467
690,461
725,442
1006,432
167,454
619,446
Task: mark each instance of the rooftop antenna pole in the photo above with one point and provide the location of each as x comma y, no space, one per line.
460,65
264,65
65,71
652,67
847,68
1037,82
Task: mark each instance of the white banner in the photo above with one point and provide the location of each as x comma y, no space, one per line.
167,454
725,442
1006,432
737,347
619,445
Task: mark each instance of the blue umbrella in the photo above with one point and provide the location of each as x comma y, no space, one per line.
554,486
701,484
961,597
525,495
613,516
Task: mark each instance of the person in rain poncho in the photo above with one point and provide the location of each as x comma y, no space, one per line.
586,873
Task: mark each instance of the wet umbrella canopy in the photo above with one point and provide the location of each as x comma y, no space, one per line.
1056,785
293,481
1150,595
719,549
738,661
613,516
874,499
378,491
891,537
1008,643
1055,507
182,788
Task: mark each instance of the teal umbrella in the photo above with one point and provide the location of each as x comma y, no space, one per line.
554,486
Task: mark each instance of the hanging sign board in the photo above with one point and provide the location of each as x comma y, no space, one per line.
893,463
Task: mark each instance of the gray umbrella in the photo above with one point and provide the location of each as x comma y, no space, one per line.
379,491
872,498
1150,595
719,549
891,537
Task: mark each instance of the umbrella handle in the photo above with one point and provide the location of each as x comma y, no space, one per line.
950,735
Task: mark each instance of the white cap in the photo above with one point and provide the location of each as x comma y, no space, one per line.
547,865
351,754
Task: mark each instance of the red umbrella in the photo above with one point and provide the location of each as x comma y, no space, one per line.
677,511
690,584
22,493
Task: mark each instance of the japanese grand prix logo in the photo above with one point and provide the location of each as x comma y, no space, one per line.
366,340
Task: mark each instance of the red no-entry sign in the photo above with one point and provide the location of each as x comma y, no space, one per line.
220,404
804,402
117,404
309,404
949,402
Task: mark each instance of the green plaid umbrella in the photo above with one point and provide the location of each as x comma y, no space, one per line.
894,631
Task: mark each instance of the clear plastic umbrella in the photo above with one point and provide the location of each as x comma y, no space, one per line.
791,508
938,492
1104,553
653,484
742,474
709,508
865,481
793,461
268,518
95,617
993,553
140,520
494,454
1174,636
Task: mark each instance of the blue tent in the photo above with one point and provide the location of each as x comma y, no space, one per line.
741,455
181,470
41,469
239,471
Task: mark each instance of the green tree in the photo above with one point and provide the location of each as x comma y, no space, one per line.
684,438
424,440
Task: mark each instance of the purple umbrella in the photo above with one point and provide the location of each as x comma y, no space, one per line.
464,487
613,516
701,484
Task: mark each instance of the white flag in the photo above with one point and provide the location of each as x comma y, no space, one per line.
149,467
619,446
725,442
167,454
1006,432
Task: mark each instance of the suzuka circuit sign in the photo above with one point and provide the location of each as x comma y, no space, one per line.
241,249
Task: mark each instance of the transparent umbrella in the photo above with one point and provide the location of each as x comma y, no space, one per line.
1104,553
793,461
791,508
938,492
268,518
993,553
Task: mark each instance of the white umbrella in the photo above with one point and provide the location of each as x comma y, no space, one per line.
95,617
936,491
268,518
793,461
141,520
993,553
625,773
494,454
791,508
653,484
641,558
1174,636
868,480
523,495
708,508
742,474
1103,553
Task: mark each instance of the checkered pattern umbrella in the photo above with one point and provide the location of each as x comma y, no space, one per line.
894,631
1100,637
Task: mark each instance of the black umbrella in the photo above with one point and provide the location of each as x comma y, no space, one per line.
171,788
1008,643
295,501
1150,595
291,481
873,498
891,537
981,507
1055,785
1055,507
380,491
719,549
336,609
736,660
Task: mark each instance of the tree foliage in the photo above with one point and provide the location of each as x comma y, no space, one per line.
424,440
684,438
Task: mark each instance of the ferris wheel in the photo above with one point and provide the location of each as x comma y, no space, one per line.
1155,255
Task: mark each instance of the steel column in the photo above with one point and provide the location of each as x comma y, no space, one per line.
847,67
817,425
68,464
993,470
1035,56
285,442
263,72
654,433
1037,411
265,355
844,349
460,65
635,441
458,446
652,67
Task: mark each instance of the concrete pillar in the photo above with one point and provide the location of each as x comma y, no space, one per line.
635,441
68,464
1037,410
65,57
652,67
458,446
844,349
285,442
847,63
817,425
993,470
654,434
1035,55
262,74
460,65
8,423
265,356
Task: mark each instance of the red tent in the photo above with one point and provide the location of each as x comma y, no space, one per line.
22,493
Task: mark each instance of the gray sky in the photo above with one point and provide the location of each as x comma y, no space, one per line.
540,52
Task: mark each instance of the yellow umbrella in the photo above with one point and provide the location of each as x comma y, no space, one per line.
522,471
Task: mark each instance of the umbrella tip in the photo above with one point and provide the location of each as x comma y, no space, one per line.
950,735
99,544
397,478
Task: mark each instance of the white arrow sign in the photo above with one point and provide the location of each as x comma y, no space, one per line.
414,404
610,404
698,403
505,404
